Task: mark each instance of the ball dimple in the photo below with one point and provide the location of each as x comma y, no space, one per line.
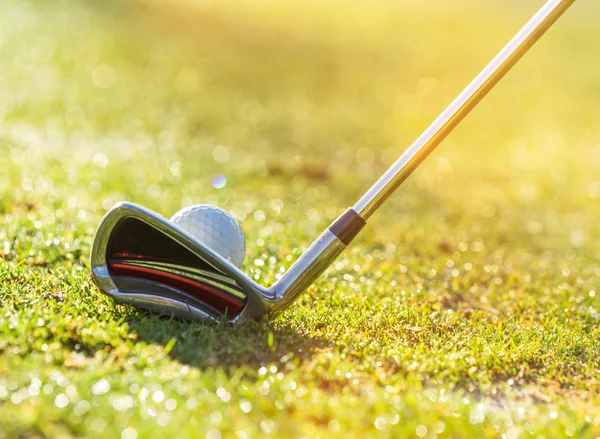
215,228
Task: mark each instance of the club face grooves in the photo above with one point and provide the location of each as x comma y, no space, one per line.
136,250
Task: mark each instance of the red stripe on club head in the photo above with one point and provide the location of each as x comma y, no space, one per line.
217,299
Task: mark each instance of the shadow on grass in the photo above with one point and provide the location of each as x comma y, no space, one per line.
207,344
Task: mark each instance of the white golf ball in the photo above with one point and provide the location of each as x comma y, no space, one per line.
215,228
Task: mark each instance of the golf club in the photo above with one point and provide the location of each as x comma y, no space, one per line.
140,258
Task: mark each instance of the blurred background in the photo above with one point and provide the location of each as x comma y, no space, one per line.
285,112
468,307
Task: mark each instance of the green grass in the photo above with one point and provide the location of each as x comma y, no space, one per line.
469,306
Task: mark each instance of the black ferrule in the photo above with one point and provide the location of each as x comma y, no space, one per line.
347,226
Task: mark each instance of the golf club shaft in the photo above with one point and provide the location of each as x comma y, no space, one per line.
461,106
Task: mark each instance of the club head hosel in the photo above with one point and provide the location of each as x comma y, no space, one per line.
315,260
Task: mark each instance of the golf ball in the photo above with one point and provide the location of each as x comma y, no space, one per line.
215,228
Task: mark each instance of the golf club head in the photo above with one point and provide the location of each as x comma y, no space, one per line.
141,258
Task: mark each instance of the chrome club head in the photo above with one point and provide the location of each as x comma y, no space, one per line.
140,258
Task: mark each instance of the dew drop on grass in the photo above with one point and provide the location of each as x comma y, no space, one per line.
163,419
32,390
129,433
122,403
221,154
71,391
82,408
215,417
213,433
154,190
61,401
421,431
218,181
97,425
100,160
158,396
268,426
15,398
381,423
191,403
439,427
223,394
175,168
144,394
100,387
333,425
245,406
